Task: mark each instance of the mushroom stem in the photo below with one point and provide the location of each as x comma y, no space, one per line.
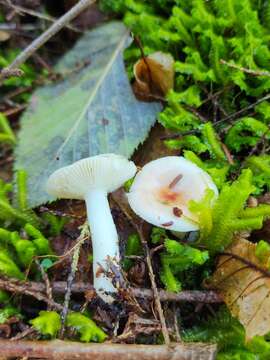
104,240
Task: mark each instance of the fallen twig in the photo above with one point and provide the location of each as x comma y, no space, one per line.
20,287
196,113
74,264
157,300
176,313
241,111
50,32
59,287
183,296
16,28
9,72
259,142
227,154
179,135
70,350
15,110
47,283
248,71
25,333
37,14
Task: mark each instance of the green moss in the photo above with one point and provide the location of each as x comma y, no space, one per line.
47,323
217,170
229,214
260,166
86,327
133,247
229,335
262,251
6,133
8,267
246,133
7,312
176,259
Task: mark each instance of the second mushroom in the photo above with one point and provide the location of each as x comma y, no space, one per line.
162,190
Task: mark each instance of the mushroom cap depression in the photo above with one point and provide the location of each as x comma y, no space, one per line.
105,172
161,192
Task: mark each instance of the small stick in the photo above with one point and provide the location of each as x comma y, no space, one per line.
176,323
196,113
15,110
162,320
83,236
241,111
47,283
227,154
43,209
37,14
50,32
15,27
259,142
9,72
179,135
70,350
19,287
59,287
28,331
248,71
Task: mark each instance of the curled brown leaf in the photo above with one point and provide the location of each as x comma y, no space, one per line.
154,76
244,283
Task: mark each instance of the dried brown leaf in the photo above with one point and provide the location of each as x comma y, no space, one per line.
138,273
244,283
153,147
137,325
154,75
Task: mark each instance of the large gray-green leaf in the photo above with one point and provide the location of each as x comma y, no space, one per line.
91,111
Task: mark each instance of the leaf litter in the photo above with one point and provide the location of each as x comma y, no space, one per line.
240,306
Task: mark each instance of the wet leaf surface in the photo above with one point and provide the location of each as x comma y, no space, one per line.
94,110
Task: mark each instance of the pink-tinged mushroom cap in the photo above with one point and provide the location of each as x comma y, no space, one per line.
162,190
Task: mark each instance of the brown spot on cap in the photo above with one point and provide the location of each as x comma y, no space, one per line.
167,224
177,211
175,181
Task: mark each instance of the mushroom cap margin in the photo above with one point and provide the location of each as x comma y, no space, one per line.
105,172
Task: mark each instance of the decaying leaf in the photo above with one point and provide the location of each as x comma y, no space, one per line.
91,110
153,147
154,75
137,325
244,283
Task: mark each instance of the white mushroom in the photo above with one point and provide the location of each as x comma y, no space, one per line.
91,179
161,192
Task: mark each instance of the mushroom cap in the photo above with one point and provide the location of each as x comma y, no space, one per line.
161,192
105,172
